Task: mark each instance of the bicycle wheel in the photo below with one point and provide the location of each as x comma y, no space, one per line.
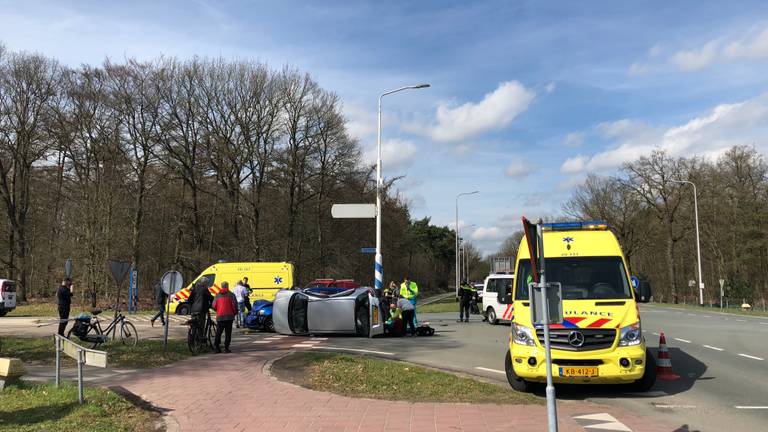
193,341
128,334
211,336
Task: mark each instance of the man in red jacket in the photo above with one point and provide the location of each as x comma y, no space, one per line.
225,305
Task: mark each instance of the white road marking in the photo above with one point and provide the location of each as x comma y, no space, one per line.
312,342
353,350
741,320
674,406
747,407
261,342
655,334
605,422
302,346
706,316
764,323
682,340
751,357
320,339
691,314
714,348
489,370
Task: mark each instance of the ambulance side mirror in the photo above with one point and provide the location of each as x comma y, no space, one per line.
644,292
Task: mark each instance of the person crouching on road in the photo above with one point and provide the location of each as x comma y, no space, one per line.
394,324
409,291
241,295
409,312
225,305
466,292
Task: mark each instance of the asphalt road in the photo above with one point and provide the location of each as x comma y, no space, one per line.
722,360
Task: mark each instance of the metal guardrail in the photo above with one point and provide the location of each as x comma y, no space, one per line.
82,355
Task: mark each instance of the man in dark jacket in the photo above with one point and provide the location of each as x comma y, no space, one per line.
160,298
466,292
64,300
225,305
200,300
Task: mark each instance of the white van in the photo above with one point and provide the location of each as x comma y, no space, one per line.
7,296
497,298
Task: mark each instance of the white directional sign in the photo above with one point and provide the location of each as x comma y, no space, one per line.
353,211
171,282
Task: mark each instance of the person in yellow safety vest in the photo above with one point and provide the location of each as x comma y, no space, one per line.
410,291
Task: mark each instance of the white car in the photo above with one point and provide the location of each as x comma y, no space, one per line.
7,296
497,298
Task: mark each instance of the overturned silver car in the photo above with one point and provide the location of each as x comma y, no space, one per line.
321,310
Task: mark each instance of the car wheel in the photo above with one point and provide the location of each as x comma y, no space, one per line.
3,312
517,383
491,314
649,375
182,309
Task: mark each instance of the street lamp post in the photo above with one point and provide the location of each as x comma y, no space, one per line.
698,243
379,266
465,256
458,267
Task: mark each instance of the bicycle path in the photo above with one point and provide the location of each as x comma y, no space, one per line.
234,392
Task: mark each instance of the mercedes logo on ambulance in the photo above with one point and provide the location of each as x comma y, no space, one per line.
576,339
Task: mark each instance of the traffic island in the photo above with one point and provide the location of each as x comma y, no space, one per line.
370,377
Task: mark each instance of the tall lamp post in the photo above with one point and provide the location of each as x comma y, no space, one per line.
458,267
465,256
698,243
379,266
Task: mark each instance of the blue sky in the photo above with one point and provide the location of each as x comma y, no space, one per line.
526,97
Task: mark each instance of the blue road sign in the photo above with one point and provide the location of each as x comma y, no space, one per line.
368,250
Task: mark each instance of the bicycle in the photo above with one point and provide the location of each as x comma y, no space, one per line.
88,329
199,338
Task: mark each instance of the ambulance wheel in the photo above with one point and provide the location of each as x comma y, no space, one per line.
517,383
491,314
649,375
182,310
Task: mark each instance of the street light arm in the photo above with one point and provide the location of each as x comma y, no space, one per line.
417,86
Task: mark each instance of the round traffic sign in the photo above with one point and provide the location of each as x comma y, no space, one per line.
171,282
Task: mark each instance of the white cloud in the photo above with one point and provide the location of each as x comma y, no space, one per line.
754,46
497,110
551,87
638,69
361,124
488,233
708,135
697,58
517,169
396,154
575,139
574,165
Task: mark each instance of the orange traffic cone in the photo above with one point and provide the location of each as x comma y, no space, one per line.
664,364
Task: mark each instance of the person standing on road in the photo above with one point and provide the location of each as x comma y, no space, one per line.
64,301
160,298
409,315
466,292
241,295
248,289
410,291
225,305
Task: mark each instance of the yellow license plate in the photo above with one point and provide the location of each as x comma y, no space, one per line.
578,372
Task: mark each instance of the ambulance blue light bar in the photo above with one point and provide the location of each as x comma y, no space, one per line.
575,226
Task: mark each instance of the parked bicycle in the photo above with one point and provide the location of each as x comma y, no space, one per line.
88,329
200,337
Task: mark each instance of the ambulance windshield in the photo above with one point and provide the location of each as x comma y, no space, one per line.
582,278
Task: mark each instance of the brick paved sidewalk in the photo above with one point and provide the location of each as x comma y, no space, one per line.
232,393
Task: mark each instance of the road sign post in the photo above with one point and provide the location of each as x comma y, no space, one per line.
365,211
171,282
722,292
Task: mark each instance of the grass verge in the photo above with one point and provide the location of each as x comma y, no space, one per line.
50,309
362,376
43,407
445,305
146,353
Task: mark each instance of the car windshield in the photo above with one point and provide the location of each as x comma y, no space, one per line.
582,278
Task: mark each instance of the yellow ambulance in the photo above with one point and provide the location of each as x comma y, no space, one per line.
265,279
600,340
